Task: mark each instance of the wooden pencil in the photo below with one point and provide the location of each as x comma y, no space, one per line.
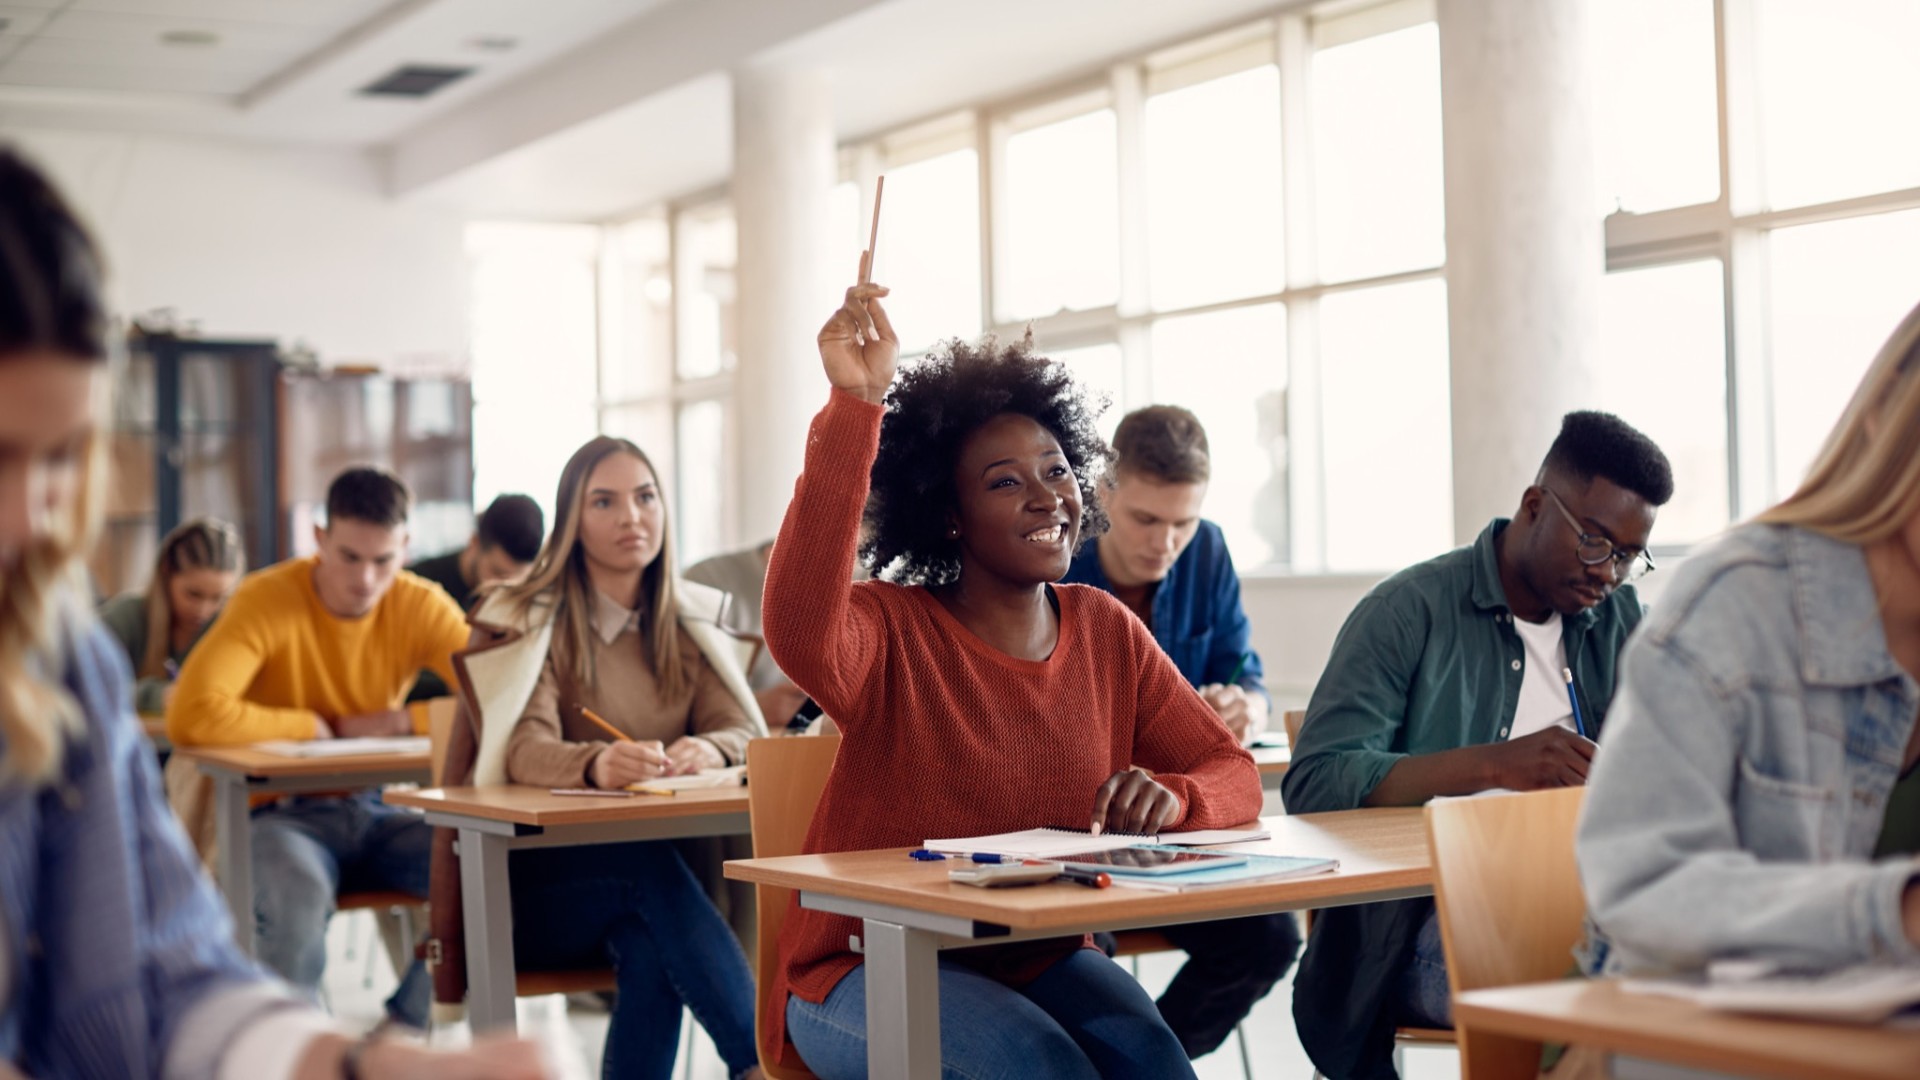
604,726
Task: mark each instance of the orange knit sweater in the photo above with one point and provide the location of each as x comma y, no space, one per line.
943,735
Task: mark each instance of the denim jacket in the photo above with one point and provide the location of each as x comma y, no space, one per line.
120,955
1758,731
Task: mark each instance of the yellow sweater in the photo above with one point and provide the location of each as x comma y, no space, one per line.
276,659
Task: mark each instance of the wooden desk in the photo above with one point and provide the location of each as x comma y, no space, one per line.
241,772
911,911
494,821
1272,761
1599,1013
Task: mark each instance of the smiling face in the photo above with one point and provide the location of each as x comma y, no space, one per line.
45,422
1548,561
622,519
1018,502
1151,522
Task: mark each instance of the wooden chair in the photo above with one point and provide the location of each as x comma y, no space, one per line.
1510,902
1404,1038
785,778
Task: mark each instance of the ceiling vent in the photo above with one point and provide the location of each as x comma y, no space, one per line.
415,80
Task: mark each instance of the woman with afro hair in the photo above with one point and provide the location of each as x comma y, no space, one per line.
975,696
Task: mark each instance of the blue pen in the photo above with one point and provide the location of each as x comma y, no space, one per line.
1009,860
1579,724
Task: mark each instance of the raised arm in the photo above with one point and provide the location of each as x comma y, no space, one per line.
821,631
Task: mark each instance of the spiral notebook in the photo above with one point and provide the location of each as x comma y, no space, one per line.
1047,843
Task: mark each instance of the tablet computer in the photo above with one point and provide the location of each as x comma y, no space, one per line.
1143,860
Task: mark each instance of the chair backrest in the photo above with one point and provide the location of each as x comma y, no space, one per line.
440,716
784,779
1507,886
1291,721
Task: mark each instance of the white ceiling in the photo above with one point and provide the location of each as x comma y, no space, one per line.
282,70
601,107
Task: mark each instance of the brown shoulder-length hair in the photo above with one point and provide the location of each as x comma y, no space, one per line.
201,543
558,577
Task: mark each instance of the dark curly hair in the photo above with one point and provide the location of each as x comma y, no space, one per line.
934,405
1601,444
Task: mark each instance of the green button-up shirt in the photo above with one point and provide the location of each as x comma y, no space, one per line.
1430,661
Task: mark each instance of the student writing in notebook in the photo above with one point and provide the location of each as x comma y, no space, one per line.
312,648
973,695
199,563
1171,567
1450,678
1759,796
117,959
600,624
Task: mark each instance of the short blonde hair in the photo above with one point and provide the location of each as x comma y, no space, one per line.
1865,484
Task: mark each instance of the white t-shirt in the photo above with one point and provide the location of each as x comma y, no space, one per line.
1543,693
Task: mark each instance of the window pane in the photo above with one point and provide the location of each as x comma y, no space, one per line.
1213,174
534,337
1063,218
1102,371
1388,433
700,502
1663,369
1836,291
1656,106
648,425
637,357
1376,131
1838,86
930,248
707,328
1230,368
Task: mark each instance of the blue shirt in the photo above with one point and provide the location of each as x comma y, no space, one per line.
1197,617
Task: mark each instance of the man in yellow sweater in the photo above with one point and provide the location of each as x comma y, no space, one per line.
316,648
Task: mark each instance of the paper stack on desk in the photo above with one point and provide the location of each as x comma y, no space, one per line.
332,748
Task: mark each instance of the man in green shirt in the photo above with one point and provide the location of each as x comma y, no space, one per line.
1489,667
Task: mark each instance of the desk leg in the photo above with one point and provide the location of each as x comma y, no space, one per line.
487,904
233,830
903,1002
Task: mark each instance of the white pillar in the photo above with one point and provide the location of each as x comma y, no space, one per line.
1525,244
783,174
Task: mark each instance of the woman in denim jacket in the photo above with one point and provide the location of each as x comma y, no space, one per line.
116,957
1756,797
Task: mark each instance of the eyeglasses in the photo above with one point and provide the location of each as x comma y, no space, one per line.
1594,550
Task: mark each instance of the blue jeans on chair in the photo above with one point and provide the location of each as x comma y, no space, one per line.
1083,1019
305,851
637,906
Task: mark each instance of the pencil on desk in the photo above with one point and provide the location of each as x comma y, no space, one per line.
618,735
645,790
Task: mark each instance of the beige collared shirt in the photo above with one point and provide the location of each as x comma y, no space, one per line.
553,745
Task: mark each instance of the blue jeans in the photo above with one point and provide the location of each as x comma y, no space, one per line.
638,907
1421,993
1084,1018
305,851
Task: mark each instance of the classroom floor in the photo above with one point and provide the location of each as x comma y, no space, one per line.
356,986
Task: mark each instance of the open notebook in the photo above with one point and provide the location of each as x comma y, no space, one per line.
1865,994
331,748
1048,843
733,776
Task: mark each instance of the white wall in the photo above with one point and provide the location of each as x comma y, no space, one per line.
297,244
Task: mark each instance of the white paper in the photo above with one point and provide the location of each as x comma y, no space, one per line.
1199,837
706,778
1035,843
331,748
1861,994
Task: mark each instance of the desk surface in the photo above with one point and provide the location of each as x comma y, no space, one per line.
1599,1013
260,763
1382,852
521,804
1271,759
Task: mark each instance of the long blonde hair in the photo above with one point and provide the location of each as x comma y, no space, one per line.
558,577
201,543
50,302
1865,484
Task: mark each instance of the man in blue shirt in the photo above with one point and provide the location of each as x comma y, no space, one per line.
1172,569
